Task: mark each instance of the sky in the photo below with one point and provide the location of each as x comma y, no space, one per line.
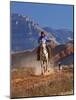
47,15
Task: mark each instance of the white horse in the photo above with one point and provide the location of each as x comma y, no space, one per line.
43,58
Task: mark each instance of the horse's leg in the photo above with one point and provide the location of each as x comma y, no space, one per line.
47,64
42,67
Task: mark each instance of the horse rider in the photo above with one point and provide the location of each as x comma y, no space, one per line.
43,38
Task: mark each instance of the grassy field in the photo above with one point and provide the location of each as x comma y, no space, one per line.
25,84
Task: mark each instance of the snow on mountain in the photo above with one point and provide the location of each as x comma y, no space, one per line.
25,33
61,35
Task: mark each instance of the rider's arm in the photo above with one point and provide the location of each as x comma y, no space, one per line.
47,39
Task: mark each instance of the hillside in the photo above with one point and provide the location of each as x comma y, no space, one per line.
25,33
60,53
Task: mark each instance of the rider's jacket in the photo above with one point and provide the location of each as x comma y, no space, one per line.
43,39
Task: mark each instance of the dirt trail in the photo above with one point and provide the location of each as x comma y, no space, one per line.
27,85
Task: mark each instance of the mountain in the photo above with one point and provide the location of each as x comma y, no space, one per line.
62,35
64,53
25,33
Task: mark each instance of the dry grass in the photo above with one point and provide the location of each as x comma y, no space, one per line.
24,84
